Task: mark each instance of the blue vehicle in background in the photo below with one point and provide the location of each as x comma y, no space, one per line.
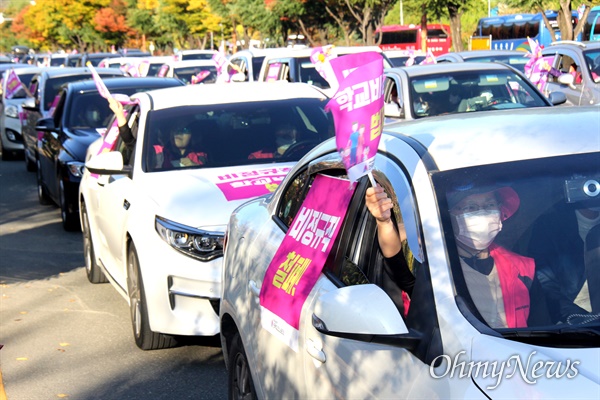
591,30
510,32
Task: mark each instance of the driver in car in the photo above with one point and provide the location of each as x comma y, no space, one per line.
285,136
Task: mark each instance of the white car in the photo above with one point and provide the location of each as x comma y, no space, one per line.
155,230
197,54
362,332
147,66
11,113
188,69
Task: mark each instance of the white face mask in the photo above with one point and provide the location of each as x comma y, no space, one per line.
478,229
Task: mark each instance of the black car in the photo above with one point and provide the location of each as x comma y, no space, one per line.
44,88
95,58
81,115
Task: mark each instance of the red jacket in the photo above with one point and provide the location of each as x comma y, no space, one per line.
515,293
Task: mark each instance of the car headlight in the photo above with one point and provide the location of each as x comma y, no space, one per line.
12,111
76,168
196,243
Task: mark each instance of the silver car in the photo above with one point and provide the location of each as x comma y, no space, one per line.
11,112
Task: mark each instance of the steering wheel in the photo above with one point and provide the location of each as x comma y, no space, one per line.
495,102
298,149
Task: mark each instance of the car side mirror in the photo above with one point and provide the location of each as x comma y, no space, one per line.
364,309
30,105
391,110
107,163
568,80
45,125
557,98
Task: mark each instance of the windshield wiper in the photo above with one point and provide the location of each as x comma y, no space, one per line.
567,336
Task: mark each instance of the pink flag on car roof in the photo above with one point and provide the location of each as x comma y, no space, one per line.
13,83
429,58
357,109
320,57
102,89
299,260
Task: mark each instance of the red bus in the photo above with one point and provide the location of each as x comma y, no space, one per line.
408,37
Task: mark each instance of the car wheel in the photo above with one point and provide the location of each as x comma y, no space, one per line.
240,378
70,219
145,338
92,269
29,165
43,196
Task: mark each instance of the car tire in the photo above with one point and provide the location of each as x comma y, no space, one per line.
145,338
70,219
6,155
240,381
92,269
43,196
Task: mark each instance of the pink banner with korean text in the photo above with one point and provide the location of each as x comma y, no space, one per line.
299,260
357,110
13,84
321,57
247,184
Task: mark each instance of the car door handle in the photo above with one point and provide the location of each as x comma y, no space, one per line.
126,204
254,288
314,351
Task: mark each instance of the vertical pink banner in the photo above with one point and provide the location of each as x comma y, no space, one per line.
357,110
298,262
321,57
13,84
540,70
102,89
429,58
162,72
273,72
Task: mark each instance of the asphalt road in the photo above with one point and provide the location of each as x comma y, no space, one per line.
66,338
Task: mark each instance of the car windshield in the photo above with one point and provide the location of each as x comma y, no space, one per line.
197,56
524,244
53,85
89,110
400,61
185,74
592,59
466,91
515,61
236,134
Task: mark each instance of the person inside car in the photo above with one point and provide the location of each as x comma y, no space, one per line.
501,284
178,151
285,136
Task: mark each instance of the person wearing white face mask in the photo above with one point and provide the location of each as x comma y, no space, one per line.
500,283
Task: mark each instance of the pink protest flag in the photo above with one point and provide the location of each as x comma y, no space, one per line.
300,258
321,57
220,60
162,72
273,72
357,110
13,84
102,89
247,184
411,58
540,71
199,77
534,54
429,58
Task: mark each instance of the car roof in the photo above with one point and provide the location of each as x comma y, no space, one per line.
572,44
428,69
197,51
52,72
244,93
484,53
306,52
126,82
189,63
504,135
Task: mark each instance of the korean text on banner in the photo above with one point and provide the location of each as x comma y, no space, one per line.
13,84
300,258
247,184
357,110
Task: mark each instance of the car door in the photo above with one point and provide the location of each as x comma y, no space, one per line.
114,196
349,368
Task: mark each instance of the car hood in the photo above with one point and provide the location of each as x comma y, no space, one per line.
78,142
561,372
205,197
